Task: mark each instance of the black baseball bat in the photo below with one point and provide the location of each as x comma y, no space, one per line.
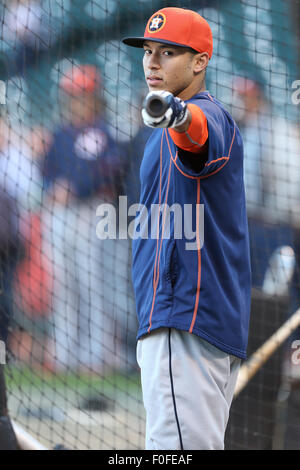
155,105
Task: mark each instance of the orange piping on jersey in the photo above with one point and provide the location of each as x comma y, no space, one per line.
195,137
185,174
217,160
174,161
164,220
198,243
172,158
199,262
156,275
210,174
199,177
233,137
159,203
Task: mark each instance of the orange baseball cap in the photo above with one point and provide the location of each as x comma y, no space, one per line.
179,27
81,79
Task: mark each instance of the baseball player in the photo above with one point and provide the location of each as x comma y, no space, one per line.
193,301
80,171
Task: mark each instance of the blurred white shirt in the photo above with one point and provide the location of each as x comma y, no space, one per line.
20,175
23,22
283,190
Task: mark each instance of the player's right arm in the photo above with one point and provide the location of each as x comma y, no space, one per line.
210,133
186,122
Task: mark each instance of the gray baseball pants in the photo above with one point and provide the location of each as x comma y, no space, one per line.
188,386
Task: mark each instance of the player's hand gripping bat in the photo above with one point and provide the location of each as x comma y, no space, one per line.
162,109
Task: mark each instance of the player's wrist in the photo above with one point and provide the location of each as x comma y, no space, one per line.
183,125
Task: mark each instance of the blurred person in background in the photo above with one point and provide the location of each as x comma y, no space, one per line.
9,251
283,206
21,165
24,27
81,171
9,243
272,181
21,178
268,228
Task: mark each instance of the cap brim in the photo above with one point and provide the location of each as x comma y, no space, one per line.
139,42
134,42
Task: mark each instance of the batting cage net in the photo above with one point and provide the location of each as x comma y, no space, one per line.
71,143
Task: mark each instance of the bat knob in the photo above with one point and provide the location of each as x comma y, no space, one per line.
155,105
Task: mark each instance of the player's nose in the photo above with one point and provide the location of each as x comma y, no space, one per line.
153,61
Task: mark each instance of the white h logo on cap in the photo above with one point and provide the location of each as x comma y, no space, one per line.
155,22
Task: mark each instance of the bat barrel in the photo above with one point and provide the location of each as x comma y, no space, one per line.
156,105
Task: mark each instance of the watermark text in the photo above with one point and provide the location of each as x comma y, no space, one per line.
2,353
161,221
295,358
2,92
296,93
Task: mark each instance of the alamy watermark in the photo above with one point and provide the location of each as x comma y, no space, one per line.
2,353
295,357
160,222
2,92
296,93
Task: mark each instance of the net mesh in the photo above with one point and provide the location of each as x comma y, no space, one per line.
71,141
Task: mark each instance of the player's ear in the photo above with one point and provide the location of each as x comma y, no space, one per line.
200,62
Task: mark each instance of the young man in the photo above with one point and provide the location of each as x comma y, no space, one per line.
193,299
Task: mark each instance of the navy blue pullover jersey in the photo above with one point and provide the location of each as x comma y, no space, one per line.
191,263
86,156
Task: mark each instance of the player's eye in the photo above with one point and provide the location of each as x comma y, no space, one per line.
168,53
147,51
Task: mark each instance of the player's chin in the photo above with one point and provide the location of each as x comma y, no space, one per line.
156,85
